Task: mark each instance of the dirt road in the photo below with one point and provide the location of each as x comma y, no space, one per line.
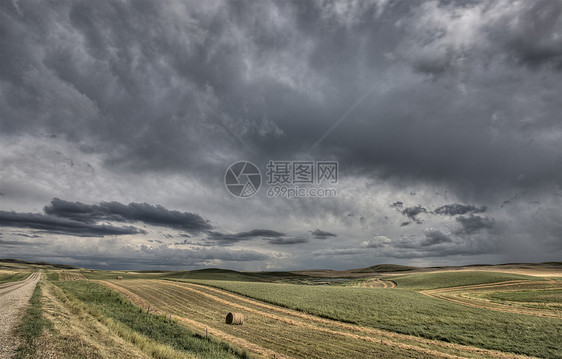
13,298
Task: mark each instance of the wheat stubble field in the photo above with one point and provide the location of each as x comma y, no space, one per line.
506,311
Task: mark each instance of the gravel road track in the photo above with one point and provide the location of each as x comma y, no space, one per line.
14,296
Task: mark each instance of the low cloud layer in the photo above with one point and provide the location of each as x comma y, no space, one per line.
456,209
318,234
133,212
54,225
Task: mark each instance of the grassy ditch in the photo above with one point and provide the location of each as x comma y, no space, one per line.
31,326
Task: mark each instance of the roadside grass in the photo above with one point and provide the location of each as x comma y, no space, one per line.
133,322
425,281
406,311
13,277
31,327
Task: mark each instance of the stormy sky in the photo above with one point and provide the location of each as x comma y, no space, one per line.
119,120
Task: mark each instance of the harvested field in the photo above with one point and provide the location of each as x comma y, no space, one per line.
71,275
287,332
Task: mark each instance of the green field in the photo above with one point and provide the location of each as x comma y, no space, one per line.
406,311
424,281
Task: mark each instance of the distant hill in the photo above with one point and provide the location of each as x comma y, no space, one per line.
227,274
9,262
383,268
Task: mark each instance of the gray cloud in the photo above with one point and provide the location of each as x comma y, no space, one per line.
413,212
135,212
434,236
397,205
472,224
318,234
455,209
226,238
534,42
288,241
50,224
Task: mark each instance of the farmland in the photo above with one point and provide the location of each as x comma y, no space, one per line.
12,276
406,313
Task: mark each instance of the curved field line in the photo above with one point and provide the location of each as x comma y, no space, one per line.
452,294
311,318
374,283
478,286
391,283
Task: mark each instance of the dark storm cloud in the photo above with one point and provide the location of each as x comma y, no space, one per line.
318,234
340,252
51,224
288,241
434,236
534,42
226,238
456,209
413,212
133,212
267,73
397,205
472,224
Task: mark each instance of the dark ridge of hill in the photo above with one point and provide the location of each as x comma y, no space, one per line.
41,264
228,274
385,268
214,270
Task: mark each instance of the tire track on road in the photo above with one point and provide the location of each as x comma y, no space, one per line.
13,299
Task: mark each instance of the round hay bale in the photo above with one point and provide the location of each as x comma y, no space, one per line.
234,319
